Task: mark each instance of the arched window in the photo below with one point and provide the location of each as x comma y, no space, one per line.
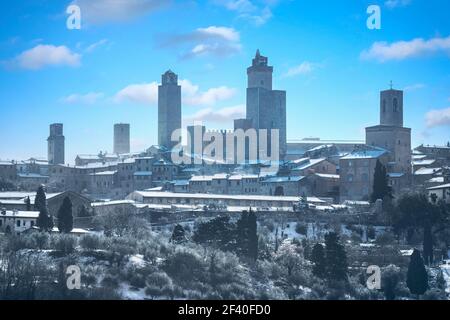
395,105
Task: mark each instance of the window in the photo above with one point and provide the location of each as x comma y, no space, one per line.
384,105
18,223
395,105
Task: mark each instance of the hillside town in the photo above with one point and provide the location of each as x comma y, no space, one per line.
372,199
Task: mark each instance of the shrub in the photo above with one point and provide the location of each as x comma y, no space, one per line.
64,243
90,242
158,279
301,228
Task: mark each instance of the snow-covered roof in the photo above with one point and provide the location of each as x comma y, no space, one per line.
442,186
103,173
111,203
283,179
20,214
436,180
150,194
327,176
423,171
364,154
423,162
201,178
309,163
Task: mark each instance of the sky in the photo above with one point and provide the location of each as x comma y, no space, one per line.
324,55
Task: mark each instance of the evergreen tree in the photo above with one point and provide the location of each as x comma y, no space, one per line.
44,221
40,201
428,245
336,258
381,188
65,217
28,204
178,234
246,235
417,277
218,232
252,235
318,258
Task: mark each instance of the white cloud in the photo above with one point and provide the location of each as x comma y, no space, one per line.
102,11
437,118
97,45
391,4
383,51
213,40
143,93
147,93
89,98
46,55
301,69
209,97
414,87
257,12
218,116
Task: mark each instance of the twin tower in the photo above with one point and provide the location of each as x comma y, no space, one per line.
265,108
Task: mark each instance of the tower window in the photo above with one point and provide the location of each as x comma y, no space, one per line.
395,105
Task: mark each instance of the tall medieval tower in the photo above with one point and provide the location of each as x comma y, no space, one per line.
56,144
266,108
121,138
169,109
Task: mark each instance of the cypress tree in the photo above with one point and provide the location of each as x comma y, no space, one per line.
252,235
65,217
40,201
178,234
417,277
318,258
381,188
44,221
336,258
28,203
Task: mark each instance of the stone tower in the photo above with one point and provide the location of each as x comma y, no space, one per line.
56,144
266,108
392,136
391,108
121,138
169,109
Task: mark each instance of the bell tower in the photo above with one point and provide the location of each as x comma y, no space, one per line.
391,107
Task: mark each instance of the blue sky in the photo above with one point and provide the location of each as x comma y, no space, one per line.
331,65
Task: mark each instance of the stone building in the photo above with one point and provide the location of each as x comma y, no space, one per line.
56,144
356,171
121,138
8,170
391,135
169,109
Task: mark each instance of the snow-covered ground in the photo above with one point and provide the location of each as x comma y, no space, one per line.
446,272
